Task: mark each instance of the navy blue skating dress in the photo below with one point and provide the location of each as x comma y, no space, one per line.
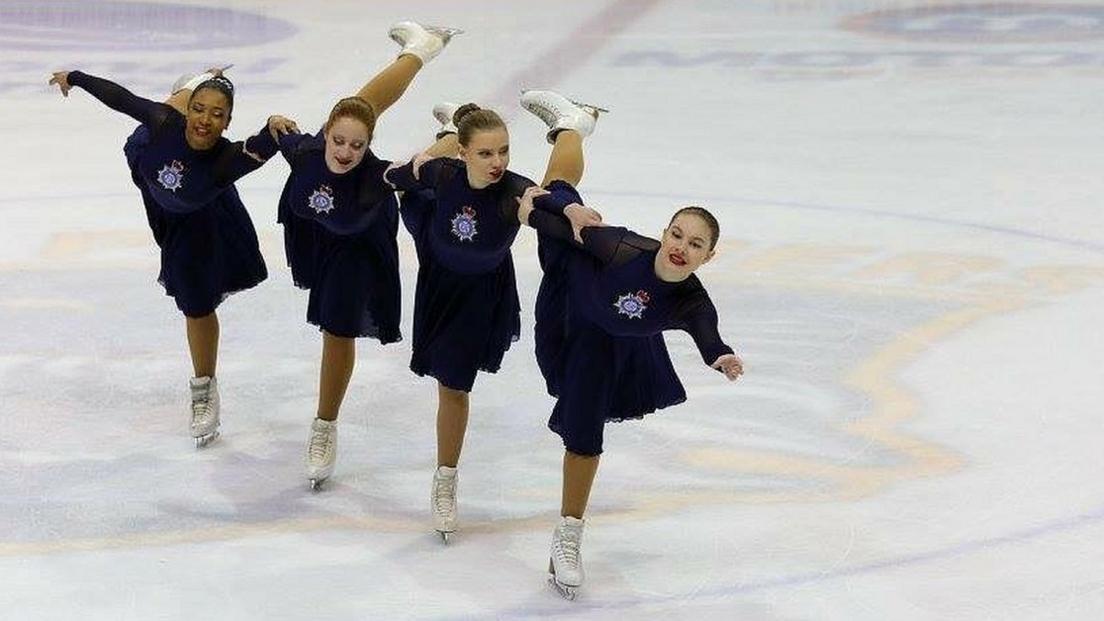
209,247
339,236
466,308
600,316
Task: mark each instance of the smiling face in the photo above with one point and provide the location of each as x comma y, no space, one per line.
687,243
346,144
208,116
487,154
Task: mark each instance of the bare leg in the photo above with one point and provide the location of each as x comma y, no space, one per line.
338,359
388,85
452,423
203,342
446,146
566,161
578,476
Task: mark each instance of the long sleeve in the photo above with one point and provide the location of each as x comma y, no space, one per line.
615,245
289,145
513,186
241,158
402,177
121,100
700,321
555,201
552,225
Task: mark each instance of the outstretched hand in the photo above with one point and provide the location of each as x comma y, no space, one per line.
281,126
730,365
525,202
61,78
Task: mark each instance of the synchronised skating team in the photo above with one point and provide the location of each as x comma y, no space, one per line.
605,297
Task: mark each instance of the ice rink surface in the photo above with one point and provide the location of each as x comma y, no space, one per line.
911,265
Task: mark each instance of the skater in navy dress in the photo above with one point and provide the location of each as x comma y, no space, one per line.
185,170
462,214
606,297
340,221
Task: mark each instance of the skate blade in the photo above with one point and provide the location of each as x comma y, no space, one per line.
316,484
445,32
445,535
204,440
567,592
592,109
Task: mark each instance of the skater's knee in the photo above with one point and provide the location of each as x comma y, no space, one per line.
583,445
333,339
452,395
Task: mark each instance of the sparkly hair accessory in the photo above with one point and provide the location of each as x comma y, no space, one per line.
219,83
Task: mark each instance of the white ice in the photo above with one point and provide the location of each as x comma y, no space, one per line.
911,265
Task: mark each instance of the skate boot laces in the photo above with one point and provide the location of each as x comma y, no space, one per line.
320,444
567,547
547,111
201,403
444,495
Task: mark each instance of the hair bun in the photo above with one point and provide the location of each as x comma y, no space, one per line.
463,111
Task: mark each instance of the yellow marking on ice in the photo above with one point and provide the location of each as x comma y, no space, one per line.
206,534
1060,279
804,267
404,524
893,405
82,245
796,257
931,268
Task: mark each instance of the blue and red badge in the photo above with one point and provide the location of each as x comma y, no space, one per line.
633,304
464,224
171,176
322,200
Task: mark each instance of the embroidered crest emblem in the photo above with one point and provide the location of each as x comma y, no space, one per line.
171,176
633,304
463,224
322,200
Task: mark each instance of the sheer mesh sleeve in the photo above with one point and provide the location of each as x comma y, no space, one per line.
240,158
616,245
513,187
552,225
117,98
430,175
697,316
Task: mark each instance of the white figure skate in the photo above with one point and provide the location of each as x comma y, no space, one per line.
425,42
559,112
444,112
205,410
565,561
442,501
321,452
